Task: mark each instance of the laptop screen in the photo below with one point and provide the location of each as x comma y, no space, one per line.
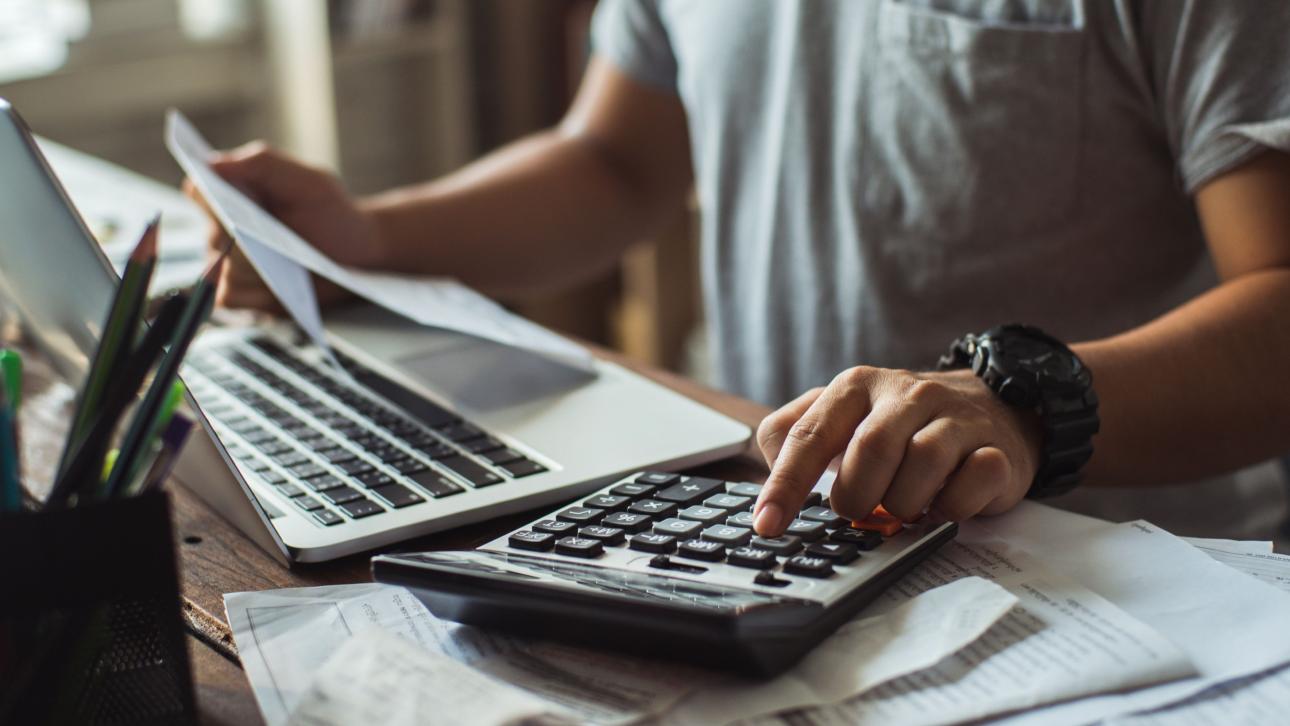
51,269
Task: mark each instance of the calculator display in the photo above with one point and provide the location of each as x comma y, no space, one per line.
644,586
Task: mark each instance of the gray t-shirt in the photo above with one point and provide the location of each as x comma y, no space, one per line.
877,178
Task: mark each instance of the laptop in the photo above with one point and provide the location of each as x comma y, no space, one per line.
420,429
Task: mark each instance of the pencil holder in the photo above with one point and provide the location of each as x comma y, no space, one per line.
90,627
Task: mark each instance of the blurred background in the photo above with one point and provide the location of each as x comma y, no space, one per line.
385,92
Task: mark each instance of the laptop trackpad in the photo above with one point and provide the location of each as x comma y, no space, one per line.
486,376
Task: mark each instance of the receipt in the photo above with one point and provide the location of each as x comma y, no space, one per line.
377,678
285,260
862,654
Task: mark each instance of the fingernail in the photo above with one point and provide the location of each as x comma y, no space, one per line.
768,519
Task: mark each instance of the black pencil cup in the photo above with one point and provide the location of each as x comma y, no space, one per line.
90,626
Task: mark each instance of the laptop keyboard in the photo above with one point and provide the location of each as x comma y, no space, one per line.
336,449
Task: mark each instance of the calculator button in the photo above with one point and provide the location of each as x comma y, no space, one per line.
653,508
555,526
728,502
765,578
707,515
758,559
808,566
327,517
814,499
806,529
652,542
820,514
628,521
881,522
579,547
635,491
697,549
839,552
740,519
679,527
580,515
862,538
398,496
727,535
361,508
744,489
609,535
526,540
657,478
608,502
783,545
689,491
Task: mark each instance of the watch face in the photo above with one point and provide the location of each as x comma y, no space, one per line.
1041,357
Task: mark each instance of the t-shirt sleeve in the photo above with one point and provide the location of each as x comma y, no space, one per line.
1221,77
631,35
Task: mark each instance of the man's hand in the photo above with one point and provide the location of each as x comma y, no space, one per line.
310,201
912,442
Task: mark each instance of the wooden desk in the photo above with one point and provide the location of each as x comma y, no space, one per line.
215,558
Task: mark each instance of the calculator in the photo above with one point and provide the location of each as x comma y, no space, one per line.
668,566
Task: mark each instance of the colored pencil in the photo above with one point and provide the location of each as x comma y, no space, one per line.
10,484
117,338
144,424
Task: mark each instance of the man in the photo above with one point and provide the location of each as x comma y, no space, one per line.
878,179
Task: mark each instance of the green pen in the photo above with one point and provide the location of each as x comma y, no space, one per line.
11,364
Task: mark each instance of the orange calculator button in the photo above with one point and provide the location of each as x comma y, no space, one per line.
880,521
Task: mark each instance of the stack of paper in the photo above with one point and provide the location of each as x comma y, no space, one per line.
1035,608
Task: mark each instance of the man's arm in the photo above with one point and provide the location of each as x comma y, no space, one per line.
538,214
1203,389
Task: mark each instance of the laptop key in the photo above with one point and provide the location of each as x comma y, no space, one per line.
437,450
522,468
356,467
408,466
437,484
307,470
289,490
374,478
528,540
291,458
327,517
479,446
470,471
324,482
342,494
339,456
502,456
691,490
309,504
398,496
361,508
460,432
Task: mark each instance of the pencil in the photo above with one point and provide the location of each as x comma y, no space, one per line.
172,442
117,337
143,426
10,487
83,471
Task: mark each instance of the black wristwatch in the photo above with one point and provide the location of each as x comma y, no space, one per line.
1030,369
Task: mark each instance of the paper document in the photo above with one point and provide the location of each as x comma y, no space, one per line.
1230,625
1235,546
276,250
1271,568
1062,641
1253,701
861,654
378,678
